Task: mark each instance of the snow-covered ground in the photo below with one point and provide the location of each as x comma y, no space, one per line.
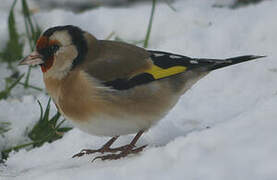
238,103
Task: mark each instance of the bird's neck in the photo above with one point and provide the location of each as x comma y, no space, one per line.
53,86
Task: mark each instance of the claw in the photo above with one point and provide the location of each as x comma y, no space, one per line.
85,152
125,152
103,150
109,156
78,154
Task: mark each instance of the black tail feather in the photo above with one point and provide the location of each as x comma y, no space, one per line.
166,60
232,61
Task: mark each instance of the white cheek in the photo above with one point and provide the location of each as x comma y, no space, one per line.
63,59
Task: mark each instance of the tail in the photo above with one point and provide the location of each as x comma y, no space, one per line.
167,60
216,64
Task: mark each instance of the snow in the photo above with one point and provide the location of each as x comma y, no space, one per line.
223,128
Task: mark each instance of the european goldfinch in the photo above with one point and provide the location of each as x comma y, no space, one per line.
109,88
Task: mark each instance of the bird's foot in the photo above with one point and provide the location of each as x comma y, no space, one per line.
92,151
104,148
128,147
125,151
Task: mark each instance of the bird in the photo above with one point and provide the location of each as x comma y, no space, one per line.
111,88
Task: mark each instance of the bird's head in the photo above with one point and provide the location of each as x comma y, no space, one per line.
59,50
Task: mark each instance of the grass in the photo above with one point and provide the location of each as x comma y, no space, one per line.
4,127
11,83
241,3
4,94
47,129
13,50
145,42
170,5
33,32
14,47
147,37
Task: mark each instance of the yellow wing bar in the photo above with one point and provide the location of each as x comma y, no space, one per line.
159,73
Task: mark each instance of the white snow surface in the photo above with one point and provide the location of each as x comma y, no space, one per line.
238,103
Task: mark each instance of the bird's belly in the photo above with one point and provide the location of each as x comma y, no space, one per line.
111,113
105,125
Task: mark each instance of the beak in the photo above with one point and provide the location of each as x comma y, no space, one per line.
33,59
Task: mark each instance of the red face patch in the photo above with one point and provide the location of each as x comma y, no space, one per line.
42,45
42,42
47,65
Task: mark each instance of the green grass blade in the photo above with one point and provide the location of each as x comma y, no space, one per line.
41,110
55,119
32,29
150,24
28,23
58,126
12,25
30,86
5,93
14,48
37,34
64,129
47,110
26,82
15,82
5,153
4,127
110,35
170,5
33,32
27,15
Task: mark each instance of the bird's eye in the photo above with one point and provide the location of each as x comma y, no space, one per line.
49,51
52,49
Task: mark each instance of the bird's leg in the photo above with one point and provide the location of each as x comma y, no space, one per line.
104,148
125,150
